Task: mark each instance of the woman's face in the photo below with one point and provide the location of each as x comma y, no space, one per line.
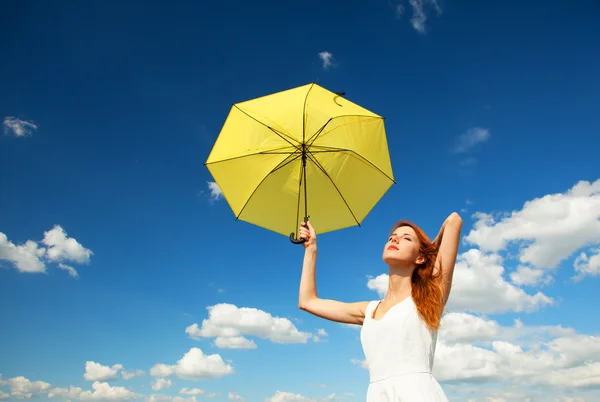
402,247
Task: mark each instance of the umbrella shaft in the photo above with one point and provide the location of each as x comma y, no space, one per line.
304,179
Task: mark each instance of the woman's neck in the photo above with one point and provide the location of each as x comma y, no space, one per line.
399,284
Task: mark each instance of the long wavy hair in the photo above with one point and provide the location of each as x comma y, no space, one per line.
426,282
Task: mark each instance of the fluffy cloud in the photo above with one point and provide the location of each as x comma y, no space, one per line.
587,265
479,285
64,248
105,392
102,391
18,127
25,258
234,396
23,388
130,374
472,137
229,323
98,372
546,231
175,398
194,365
191,391
475,349
327,60
281,396
555,363
419,16
161,383
215,191
321,334
30,257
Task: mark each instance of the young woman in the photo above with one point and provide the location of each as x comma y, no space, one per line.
399,332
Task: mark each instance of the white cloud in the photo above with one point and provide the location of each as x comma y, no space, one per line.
130,374
474,136
327,59
234,342
68,394
545,364
475,349
215,191
281,396
359,362
105,392
321,333
173,398
64,248
191,391
72,271
399,10
30,257
470,328
227,321
23,388
587,265
419,16
161,383
547,230
379,284
529,276
25,257
479,286
463,327
4,395
194,365
98,372
18,127
234,396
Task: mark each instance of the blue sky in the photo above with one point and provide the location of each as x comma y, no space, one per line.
112,243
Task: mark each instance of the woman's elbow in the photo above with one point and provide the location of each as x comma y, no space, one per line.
455,219
303,304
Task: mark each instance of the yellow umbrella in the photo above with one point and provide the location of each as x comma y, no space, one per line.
303,149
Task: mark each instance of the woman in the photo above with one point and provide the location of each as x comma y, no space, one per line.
398,333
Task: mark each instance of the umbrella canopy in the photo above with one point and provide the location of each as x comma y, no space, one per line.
301,152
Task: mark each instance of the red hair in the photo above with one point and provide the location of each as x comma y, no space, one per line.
426,288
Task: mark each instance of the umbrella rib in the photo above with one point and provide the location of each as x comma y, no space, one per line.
276,168
314,137
269,152
281,135
314,160
356,154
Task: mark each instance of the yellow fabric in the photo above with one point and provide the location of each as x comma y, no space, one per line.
256,160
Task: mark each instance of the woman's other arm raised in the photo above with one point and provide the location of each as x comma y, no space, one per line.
308,300
448,240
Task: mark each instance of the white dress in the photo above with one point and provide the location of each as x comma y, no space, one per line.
399,350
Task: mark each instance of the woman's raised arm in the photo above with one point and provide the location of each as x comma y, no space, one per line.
448,240
308,300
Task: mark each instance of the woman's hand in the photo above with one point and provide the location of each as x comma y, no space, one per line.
307,232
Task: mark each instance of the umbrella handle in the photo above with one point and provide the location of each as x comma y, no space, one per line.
298,241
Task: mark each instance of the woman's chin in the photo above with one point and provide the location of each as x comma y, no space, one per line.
392,260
